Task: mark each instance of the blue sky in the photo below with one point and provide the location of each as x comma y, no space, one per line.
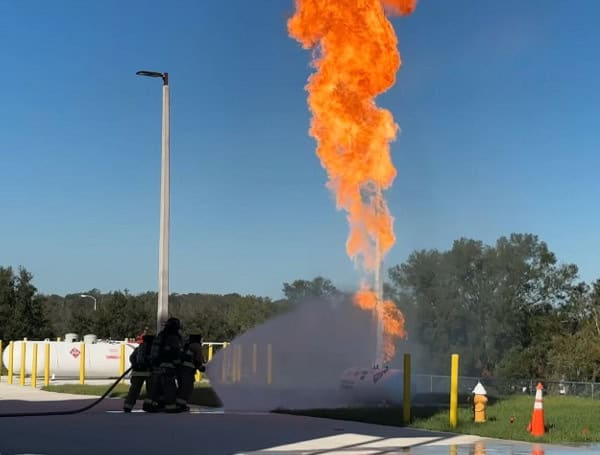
498,103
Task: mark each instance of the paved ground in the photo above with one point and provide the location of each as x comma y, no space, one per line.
106,430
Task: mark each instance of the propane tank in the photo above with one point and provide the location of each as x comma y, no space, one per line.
373,385
102,359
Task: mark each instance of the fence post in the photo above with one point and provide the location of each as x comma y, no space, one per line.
82,364
23,354
406,399
210,352
11,357
47,364
34,366
454,392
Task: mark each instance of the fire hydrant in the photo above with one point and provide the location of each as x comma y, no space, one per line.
479,403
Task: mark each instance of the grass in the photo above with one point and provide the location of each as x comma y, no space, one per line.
568,419
203,394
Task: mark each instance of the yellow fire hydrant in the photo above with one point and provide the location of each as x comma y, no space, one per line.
479,402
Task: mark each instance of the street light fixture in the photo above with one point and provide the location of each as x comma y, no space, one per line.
163,249
91,297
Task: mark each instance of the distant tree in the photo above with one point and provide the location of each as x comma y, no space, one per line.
481,301
301,290
21,308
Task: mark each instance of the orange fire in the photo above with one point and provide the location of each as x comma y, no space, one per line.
356,58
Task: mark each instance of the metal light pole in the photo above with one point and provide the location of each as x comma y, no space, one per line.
163,249
91,297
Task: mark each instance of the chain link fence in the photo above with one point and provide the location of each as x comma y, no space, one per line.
435,384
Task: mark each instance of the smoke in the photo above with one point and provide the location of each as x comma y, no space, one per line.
310,346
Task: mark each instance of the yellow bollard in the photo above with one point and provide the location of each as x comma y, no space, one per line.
47,364
239,363
454,392
121,359
224,365
210,352
11,356
82,364
269,364
34,365
1,364
406,400
254,358
23,355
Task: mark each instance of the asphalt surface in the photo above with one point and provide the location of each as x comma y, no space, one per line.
106,430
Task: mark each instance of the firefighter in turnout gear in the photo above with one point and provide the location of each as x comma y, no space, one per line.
192,360
141,371
166,357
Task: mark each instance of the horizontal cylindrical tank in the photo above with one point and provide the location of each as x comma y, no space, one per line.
102,359
373,385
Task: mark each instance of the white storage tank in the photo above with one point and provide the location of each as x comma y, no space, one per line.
102,359
373,385
90,339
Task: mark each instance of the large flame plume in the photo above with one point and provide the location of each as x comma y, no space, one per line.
356,58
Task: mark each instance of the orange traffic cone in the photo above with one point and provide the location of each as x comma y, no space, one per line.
537,427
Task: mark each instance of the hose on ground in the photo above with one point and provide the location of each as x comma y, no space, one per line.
70,411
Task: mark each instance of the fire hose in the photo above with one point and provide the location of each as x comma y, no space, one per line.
70,411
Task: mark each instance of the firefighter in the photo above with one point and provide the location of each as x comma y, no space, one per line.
141,371
192,360
166,357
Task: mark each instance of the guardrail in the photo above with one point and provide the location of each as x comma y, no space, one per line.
79,351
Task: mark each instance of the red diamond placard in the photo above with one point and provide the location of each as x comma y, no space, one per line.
75,352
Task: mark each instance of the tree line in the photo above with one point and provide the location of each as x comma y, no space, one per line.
510,309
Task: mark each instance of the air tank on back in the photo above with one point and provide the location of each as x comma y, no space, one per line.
102,359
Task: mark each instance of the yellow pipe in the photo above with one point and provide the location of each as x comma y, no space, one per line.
122,359
269,364
210,352
454,392
23,354
47,364
11,356
406,401
34,366
254,358
82,364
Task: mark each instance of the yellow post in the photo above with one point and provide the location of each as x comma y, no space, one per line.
11,356
239,366
454,392
210,352
254,358
23,354
82,364
47,364
406,400
223,365
34,366
269,364
122,359
1,360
